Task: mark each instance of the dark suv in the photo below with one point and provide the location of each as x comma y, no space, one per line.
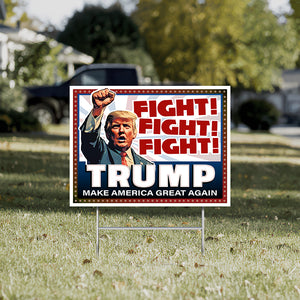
50,104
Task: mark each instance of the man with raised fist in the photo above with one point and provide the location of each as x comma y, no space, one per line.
120,129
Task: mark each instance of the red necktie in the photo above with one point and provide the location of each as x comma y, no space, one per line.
124,162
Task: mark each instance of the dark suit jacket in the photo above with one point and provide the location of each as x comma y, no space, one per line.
96,151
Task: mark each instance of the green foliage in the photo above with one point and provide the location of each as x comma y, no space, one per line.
37,64
13,117
12,8
96,31
214,42
258,114
11,98
108,35
14,121
295,18
295,4
171,35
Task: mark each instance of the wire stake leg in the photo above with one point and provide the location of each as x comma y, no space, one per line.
202,231
97,217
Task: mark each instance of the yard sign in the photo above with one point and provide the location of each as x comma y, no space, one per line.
184,131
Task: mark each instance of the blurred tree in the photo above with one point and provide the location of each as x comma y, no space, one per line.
11,15
10,5
108,35
11,98
295,5
37,63
215,42
295,16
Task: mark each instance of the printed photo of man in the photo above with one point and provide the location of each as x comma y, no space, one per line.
120,129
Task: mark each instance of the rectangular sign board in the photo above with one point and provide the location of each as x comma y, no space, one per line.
150,146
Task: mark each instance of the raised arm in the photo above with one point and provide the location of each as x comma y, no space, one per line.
92,145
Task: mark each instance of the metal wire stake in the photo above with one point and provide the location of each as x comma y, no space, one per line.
202,231
151,228
97,217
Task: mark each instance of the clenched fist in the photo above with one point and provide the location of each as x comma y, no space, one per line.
101,99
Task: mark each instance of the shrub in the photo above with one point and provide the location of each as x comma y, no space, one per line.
14,121
258,114
13,118
11,98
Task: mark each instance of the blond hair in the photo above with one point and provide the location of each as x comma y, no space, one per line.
124,114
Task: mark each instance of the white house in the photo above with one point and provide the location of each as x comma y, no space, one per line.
15,38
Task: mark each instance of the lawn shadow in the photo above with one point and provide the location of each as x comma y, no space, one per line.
35,136
271,150
265,176
26,162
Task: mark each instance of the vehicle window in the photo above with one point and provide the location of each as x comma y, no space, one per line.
93,77
90,77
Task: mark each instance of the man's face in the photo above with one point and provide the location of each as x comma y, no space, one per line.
122,133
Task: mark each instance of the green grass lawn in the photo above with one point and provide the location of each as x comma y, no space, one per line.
48,250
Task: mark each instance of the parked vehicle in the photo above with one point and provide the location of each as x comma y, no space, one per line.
50,104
